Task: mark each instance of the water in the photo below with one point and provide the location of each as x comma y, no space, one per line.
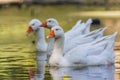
15,61
87,73
17,57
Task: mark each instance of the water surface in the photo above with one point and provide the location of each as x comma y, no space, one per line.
17,59
18,55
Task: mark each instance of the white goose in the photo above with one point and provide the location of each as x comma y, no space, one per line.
77,30
80,56
41,45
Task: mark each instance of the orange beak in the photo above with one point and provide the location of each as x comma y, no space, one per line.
29,30
44,24
51,34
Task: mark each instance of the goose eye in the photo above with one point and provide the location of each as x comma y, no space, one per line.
49,21
33,24
57,29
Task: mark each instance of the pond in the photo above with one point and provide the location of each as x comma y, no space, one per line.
18,53
18,56
17,59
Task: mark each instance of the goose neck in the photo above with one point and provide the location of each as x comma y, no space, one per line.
40,40
40,35
59,44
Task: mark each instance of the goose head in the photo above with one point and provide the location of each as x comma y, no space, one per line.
51,22
34,24
56,32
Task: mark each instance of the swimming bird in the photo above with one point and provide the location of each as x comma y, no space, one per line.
81,55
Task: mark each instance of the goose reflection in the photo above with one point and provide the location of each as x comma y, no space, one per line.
40,70
87,73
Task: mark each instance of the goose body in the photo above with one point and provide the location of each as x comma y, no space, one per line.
80,54
83,39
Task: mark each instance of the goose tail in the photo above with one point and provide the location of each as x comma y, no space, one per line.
88,23
108,53
77,25
112,40
100,33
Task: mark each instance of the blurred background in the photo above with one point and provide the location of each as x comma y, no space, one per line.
17,52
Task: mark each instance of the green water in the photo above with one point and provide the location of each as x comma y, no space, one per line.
17,59
18,54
